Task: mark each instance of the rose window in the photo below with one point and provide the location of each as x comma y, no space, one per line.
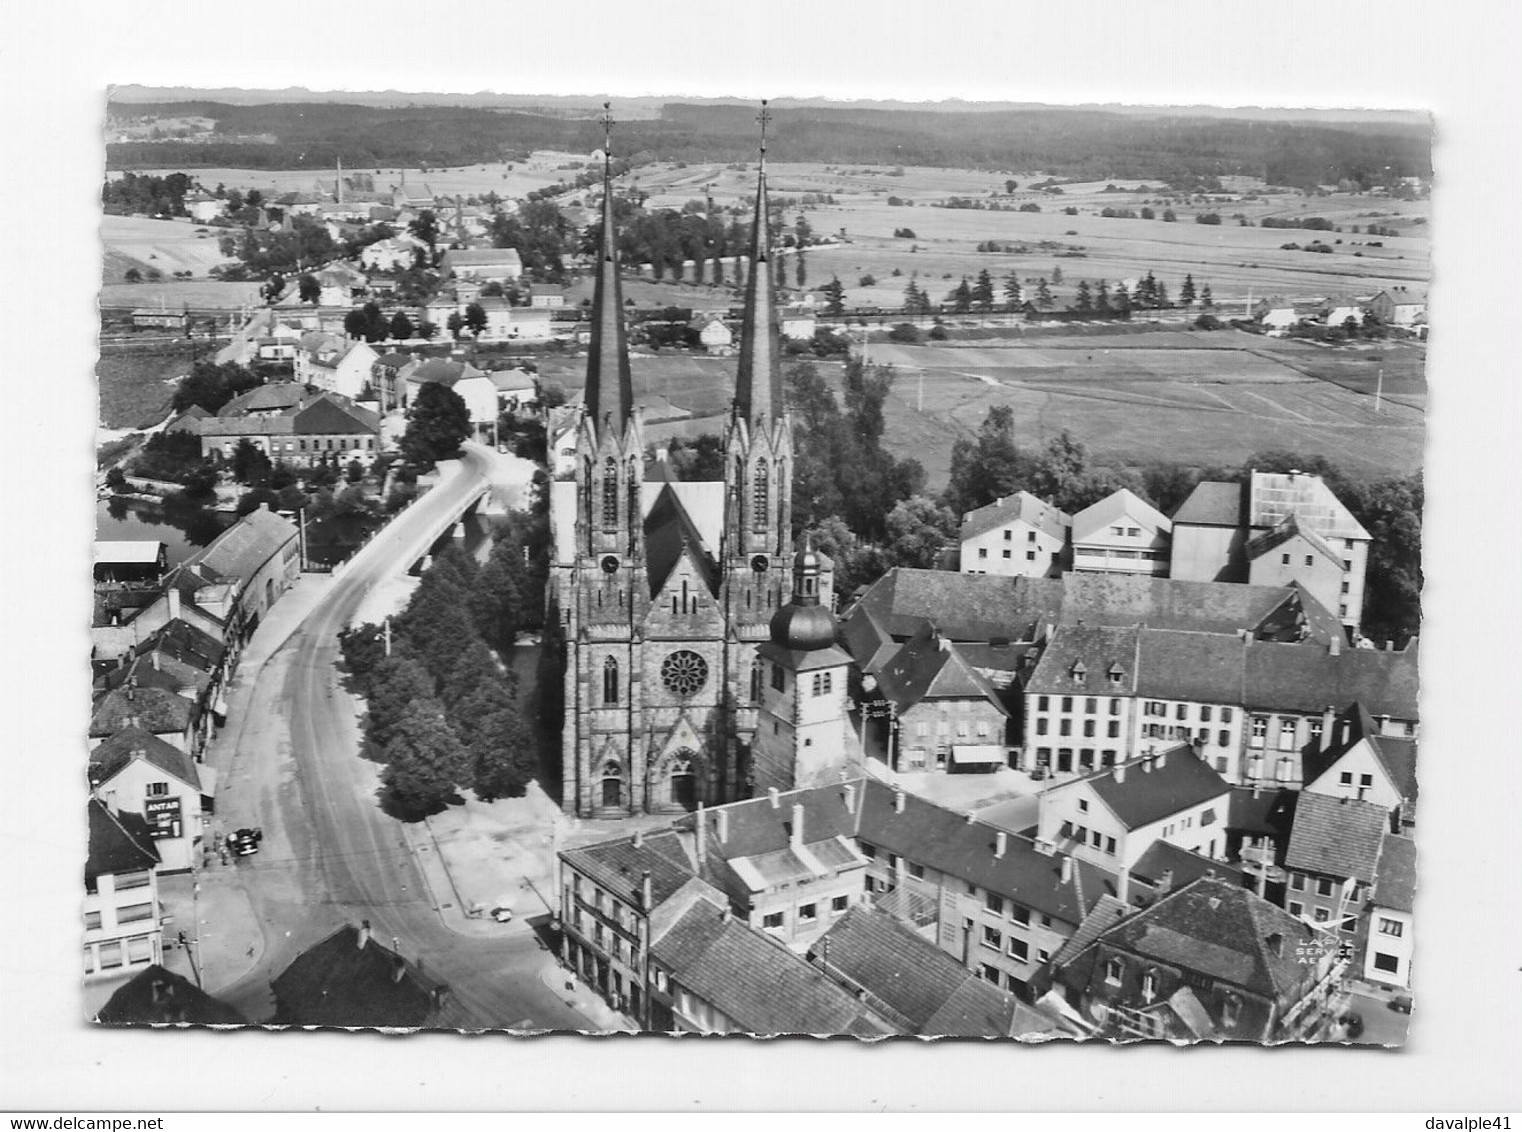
684,672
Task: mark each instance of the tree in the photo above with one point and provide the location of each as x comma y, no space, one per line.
1044,298
1102,297
983,290
394,682
425,227
355,324
426,330
355,472
456,323
401,327
1186,295
437,422
834,296
503,755
987,468
116,480
904,332
801,276
1012,295
1011,185
475,318
363,648
1057,275
425,762
1085,298
132,275
918,528
308,289
961,297
249,464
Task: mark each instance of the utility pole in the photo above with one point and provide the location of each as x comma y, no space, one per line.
1379,388
386,634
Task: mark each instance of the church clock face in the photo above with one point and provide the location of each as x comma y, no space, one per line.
684,673
759,563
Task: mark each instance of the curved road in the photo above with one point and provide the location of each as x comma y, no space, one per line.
331,855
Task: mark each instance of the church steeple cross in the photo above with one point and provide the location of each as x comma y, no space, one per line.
606,120
762,119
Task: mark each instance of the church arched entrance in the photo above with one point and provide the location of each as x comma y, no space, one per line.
680,785
612,786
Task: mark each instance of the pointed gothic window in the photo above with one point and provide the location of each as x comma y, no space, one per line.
612,784
757,666
610,681
760,518
610,495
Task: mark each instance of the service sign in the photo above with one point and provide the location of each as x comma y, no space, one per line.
163,816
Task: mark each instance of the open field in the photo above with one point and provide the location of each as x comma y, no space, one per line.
164,245
135,383
543,168
1134,399
176,294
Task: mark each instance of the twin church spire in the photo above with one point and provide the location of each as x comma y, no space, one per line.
758,387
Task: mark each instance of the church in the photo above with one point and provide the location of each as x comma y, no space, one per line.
663,590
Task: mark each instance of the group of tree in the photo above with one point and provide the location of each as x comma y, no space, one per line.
437,421
290,250
444,712
211,385
142,193
373,324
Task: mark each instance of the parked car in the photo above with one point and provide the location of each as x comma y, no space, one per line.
244,842
1352,1026
1400,1004
502,914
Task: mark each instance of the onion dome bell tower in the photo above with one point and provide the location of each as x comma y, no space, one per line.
803,733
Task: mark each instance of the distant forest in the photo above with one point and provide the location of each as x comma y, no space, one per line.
1078,143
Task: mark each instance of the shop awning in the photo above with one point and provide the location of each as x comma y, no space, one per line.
979,753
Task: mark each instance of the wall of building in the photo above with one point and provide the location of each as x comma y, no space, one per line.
122,929
1060,729
131,790
929,729
1388,951
604,941
1016,550
1207,554
1215,729
800,913
1297,561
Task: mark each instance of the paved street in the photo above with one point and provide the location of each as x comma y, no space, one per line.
288,762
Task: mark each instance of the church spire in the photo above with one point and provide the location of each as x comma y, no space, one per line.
609,391
758,389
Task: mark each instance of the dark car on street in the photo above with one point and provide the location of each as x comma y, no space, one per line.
243,842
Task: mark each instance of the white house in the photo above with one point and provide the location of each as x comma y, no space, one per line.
1122,533
1277,320
135,771
1392,923
713,335
394,254
482,263
1114,816
203,207
333,363
340,285
1399,306
123,932
1016,535
516,387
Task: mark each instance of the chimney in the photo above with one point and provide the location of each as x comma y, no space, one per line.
850,797
1335,648
1123,886
1165,882
364,934
723,824
700,835
971,817
773,797
1120,773
157,666
795,839
1146,764
646,892
1275,944
898,799
1162,758
1329,728
398,968
1067,870
639,839
724,914
1257,787
1001,842
173,593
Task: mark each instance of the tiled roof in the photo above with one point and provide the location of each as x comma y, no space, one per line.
1213,504
336,982
326,417
963,607
758,984
1099,652
1275,495
158,996
156,710
247,545
1119,504
946,841
669,533
1185,866
1287,529
1336,837
274,397
1175,603
1020,507
1398,756
467,257
1265,812
1155,786
1198,667
911,977
1306,677
1225,932
1395,878
111,757
119,843
619,865
1105,914
929,667
186,643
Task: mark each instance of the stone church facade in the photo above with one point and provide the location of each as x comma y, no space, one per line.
663,589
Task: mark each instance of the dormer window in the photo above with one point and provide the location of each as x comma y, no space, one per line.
1079,672
1116,675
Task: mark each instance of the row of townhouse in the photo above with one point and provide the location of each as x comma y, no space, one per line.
1250,708
776,891
1274,529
